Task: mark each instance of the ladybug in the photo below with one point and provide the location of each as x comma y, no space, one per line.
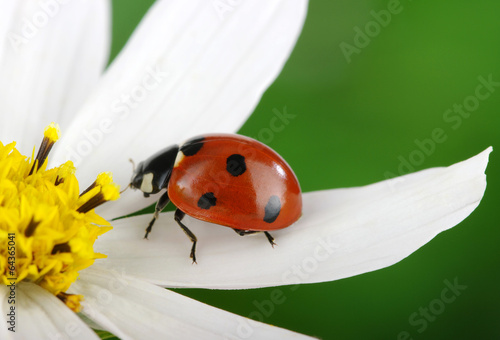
226,179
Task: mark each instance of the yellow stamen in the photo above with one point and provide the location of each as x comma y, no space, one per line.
52,132
104,178
72,301
41,216
102,190
50,136
111,192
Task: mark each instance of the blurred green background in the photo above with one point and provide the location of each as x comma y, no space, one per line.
365,115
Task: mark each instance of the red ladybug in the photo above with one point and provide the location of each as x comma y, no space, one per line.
231,180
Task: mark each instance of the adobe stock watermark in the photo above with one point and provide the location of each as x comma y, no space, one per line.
292,277
363,36
454,117
120,109
429,313
224,8
278,122
31,25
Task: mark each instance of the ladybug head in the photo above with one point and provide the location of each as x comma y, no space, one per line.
140,180
152,175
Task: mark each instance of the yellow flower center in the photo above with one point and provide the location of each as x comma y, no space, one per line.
47,227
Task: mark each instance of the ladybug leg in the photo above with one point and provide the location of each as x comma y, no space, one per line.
179,215
162,203
270,238
248,232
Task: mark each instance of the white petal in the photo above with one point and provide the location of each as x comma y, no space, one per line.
40,315
134,309
342,233
185,71
51,55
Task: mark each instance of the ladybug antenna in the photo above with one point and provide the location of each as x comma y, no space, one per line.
128,186
133,169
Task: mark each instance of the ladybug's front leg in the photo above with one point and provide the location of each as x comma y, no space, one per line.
162,203
179,215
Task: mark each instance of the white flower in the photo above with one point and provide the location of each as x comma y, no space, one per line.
190,68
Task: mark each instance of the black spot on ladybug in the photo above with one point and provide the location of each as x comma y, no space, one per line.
207,200
191,147
272,209
235,164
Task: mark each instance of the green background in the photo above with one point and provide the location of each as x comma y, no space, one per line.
355,122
